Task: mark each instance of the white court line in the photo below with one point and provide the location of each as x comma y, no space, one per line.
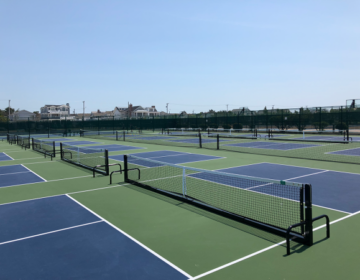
13,151
14,172
42,162
324,171
46,181
27,158
33,172
132,238
263,250
315,168
8,155
49,232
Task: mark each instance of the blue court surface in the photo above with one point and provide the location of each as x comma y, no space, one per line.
44,135
230,135
272,145
57,139
13,175
347,152
77,143
328,138
101,148
149,137
331,189
167,157
4,157
115,147
196,140
57,238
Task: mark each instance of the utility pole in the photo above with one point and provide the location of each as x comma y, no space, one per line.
167,108
83,109
227,107
9,110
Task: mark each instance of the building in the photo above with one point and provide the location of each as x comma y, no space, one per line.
242,111
55,112
98,114
85,117
135,112
22,115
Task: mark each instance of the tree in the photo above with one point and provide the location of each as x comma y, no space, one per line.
7,111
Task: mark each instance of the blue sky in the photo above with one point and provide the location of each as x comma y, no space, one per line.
195,55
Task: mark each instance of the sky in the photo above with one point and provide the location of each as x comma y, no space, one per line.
195,55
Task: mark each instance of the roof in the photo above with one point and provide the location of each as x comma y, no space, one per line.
55,105
15,113
121,108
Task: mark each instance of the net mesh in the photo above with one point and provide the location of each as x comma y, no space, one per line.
159,139
273,203
107,135
23,141
11,138
86,157
44,146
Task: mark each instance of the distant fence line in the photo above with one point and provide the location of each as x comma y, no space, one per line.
319,118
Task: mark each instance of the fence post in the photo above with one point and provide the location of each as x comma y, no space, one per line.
341,118
98,125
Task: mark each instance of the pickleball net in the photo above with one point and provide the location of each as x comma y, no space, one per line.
90,158
269,204
45,147
23,141
106,135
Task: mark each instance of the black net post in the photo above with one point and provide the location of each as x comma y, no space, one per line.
61,151
341,117
98,125
217,142
347,135
123,135
54,151
117,136
107,171
200,141
29,127
126,177
302,206
308,215
32,143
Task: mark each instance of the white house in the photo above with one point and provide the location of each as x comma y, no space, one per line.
135,112
55,111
